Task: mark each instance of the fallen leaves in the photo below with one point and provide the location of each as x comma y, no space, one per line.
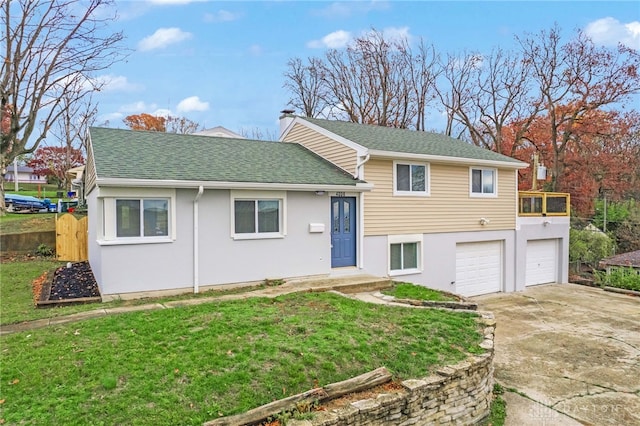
37,286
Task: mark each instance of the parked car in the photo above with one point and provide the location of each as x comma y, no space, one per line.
22,203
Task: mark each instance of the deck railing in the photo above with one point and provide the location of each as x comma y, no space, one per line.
532,203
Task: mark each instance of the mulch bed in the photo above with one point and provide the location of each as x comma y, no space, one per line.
72,283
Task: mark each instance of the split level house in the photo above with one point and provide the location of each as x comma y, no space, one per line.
176,213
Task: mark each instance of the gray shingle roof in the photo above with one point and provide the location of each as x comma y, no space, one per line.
127,154
631,258
408,141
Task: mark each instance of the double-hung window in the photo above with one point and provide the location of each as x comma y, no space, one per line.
483,182
410,178
142,217
258,215
405,254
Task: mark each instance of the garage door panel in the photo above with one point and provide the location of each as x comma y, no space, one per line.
541,262
478,268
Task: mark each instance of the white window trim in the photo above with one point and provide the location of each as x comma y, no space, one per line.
408,238
258,195
493,194
427,176
107,233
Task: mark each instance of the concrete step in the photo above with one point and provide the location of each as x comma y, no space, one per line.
345,284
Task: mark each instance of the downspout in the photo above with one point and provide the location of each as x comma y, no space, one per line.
196,242
360,175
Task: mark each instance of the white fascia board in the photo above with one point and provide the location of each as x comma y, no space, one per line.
360,150
178,184
450,160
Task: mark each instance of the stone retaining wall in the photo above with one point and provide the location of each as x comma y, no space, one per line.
459,394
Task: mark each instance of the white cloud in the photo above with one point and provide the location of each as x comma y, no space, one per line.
192,103
110,82
347,9
397,34
221,16
335,40
161,112
609,32
137,107
108,119
162,38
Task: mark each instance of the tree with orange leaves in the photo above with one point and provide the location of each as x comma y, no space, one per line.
146,121
601,155
576,80
169,124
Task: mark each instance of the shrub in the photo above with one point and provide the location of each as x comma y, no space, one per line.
590,247
44,250
626,278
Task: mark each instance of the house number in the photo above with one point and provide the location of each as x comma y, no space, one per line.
340,194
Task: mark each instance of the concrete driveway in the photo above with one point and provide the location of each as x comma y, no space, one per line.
571,352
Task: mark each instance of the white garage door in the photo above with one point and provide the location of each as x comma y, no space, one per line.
542,262
478,268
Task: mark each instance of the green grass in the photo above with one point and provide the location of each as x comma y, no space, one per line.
625,278
46,191
417,292
16,223
16,295
188,365
498,412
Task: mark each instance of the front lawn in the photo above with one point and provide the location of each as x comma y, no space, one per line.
417,292
192,364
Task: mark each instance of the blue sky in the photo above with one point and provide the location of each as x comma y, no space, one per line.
222,63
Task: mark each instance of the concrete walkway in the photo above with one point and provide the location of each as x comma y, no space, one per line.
572,351
347,284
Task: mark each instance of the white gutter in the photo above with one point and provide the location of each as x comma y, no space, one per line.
450,160
188,184
359,164
196,242
360,175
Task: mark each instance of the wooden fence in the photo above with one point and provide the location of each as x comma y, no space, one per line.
71,238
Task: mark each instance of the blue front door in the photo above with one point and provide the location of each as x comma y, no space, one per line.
343,231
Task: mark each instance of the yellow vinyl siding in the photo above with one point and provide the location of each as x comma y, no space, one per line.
90,172
335,152
449,208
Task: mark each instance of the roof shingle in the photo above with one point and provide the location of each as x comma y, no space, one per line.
127,154
408,141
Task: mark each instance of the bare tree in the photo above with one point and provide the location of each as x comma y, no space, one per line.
53,48
573,79
369,82
375,80
70,131
258,133
181,125
305,82
423,72
485,95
